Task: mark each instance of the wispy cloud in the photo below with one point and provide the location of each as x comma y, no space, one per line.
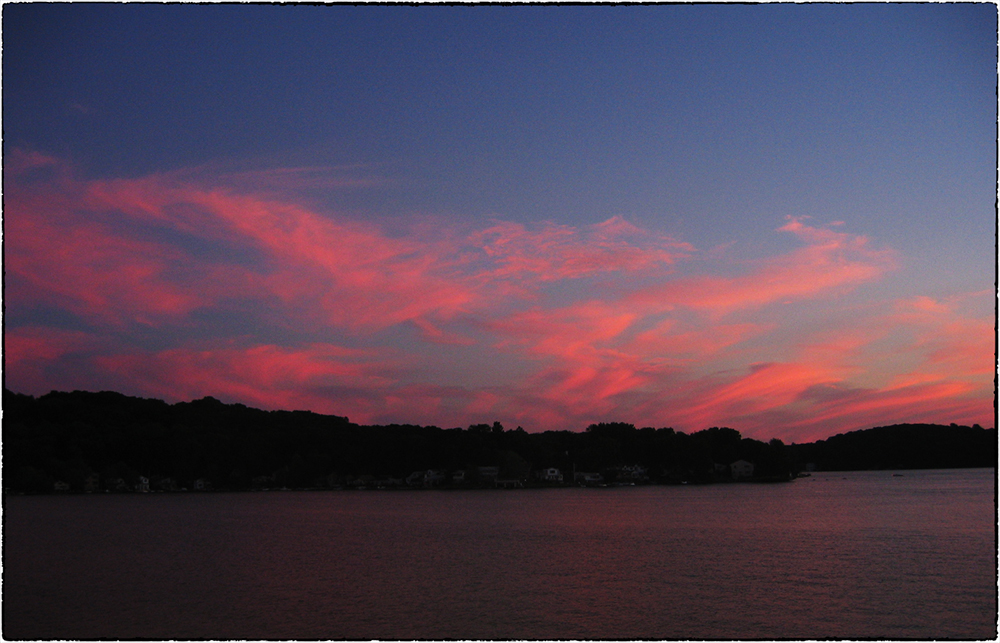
257,297
553,252
830,262
262,374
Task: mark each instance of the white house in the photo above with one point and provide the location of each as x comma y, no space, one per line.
551,475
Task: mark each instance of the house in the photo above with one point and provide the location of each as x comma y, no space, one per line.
633,473
165,484
60,486
582,477
433,478
550,474
741,469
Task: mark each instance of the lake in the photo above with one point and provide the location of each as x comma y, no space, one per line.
836,555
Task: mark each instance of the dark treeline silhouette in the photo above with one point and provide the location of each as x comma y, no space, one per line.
83,441
904,446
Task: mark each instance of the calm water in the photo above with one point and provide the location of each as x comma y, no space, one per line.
845,555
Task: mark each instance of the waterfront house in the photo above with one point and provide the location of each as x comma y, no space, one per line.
164,484
583,477
550,474
633,473
433,478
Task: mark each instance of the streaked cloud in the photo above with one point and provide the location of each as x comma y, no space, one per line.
256,296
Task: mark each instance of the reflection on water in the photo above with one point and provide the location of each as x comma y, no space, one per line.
844,555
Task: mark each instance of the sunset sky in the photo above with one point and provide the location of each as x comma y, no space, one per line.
777,218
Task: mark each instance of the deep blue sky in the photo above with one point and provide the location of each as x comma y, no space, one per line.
694,112
710,124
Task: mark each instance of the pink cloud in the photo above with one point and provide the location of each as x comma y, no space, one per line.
669,341
19,161
950,345
365,385
640,336
600,358
359,276
267,376
764,388
432,333
850,409
335,270
830,262
946,377
584,367
92,271
347,273
949,379
40,344
33,357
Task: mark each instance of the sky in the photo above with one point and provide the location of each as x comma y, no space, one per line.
778,218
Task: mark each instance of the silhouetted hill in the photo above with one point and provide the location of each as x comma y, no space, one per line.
91,441
903,446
